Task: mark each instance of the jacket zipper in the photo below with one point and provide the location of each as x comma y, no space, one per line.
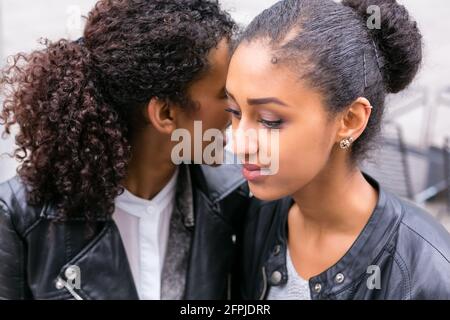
70,289
263,294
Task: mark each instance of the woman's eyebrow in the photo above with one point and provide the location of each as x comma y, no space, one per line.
269,100
259,101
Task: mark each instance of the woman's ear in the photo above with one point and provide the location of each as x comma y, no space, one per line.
161,115
354,120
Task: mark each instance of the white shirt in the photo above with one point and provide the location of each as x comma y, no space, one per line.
144,228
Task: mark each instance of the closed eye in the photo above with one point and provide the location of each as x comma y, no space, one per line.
271,124
235,113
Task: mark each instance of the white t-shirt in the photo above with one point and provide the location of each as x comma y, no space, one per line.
296,287
144,228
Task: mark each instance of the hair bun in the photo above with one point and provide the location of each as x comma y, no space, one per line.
398,39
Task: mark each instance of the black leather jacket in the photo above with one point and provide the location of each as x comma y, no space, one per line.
35,251
402,253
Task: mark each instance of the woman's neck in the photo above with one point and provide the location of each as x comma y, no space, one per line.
339,199
150,167
327,218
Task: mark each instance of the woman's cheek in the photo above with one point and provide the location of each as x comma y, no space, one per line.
298,160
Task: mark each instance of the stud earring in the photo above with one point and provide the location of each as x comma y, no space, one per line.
346,143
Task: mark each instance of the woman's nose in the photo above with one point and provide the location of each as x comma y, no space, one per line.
245,140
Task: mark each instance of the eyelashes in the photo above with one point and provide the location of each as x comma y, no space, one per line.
266,123
272,124
235,113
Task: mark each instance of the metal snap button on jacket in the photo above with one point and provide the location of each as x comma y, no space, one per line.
339,278
276,277
317,287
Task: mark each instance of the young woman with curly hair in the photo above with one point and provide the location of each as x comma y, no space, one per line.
98,209
313,72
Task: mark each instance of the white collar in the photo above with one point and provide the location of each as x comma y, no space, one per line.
139,207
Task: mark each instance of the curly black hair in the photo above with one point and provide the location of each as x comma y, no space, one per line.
75,102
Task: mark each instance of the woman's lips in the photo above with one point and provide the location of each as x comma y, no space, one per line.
251,172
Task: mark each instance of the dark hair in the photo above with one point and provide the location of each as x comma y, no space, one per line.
75,102
340,56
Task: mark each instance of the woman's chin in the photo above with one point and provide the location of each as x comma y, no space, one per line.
266,193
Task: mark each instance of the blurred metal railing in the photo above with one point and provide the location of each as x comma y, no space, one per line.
412,171
444,99
447,170
389,164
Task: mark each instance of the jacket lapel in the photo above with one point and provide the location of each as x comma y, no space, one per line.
103,269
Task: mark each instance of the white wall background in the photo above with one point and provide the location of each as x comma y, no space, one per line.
23,22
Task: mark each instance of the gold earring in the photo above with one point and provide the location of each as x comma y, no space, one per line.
346,143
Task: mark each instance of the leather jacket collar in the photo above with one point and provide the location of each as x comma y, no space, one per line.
371,241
